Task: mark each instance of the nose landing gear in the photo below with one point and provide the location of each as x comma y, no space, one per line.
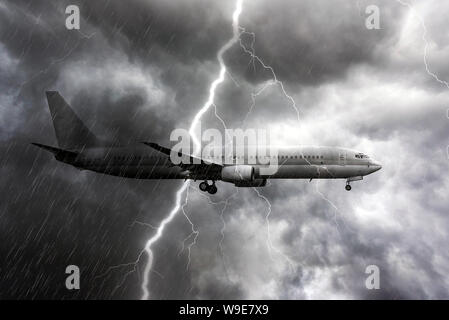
351,179
211,188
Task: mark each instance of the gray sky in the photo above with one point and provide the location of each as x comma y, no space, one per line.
138,69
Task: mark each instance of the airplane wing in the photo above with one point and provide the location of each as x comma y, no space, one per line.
195,165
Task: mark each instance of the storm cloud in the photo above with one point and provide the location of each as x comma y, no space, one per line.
138,69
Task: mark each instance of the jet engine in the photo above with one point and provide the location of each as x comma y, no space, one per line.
242,176
239,173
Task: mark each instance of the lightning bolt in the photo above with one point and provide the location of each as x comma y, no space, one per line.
269,243
142,224
194,233
424,38
196,149
225,204
156,237
147,249
222,232
273,81
221,76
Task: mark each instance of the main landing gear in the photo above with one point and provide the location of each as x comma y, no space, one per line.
211,188
348,186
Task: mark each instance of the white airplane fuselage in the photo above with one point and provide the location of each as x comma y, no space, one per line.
303,162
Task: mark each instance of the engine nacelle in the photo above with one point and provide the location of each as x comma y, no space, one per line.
238,174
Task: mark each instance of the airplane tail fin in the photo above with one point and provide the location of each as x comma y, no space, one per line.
70,131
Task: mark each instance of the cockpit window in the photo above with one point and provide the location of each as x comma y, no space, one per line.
361,156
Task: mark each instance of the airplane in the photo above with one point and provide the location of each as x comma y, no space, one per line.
79,147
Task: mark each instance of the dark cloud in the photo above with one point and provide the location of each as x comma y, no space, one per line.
138,69
310,42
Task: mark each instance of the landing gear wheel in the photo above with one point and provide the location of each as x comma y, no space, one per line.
348,187
212,189
204,186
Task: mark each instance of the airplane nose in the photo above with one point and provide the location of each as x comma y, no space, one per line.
376,165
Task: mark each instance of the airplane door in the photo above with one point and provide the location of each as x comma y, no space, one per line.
342,159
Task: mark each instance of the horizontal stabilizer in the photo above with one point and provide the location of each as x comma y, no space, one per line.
55,151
